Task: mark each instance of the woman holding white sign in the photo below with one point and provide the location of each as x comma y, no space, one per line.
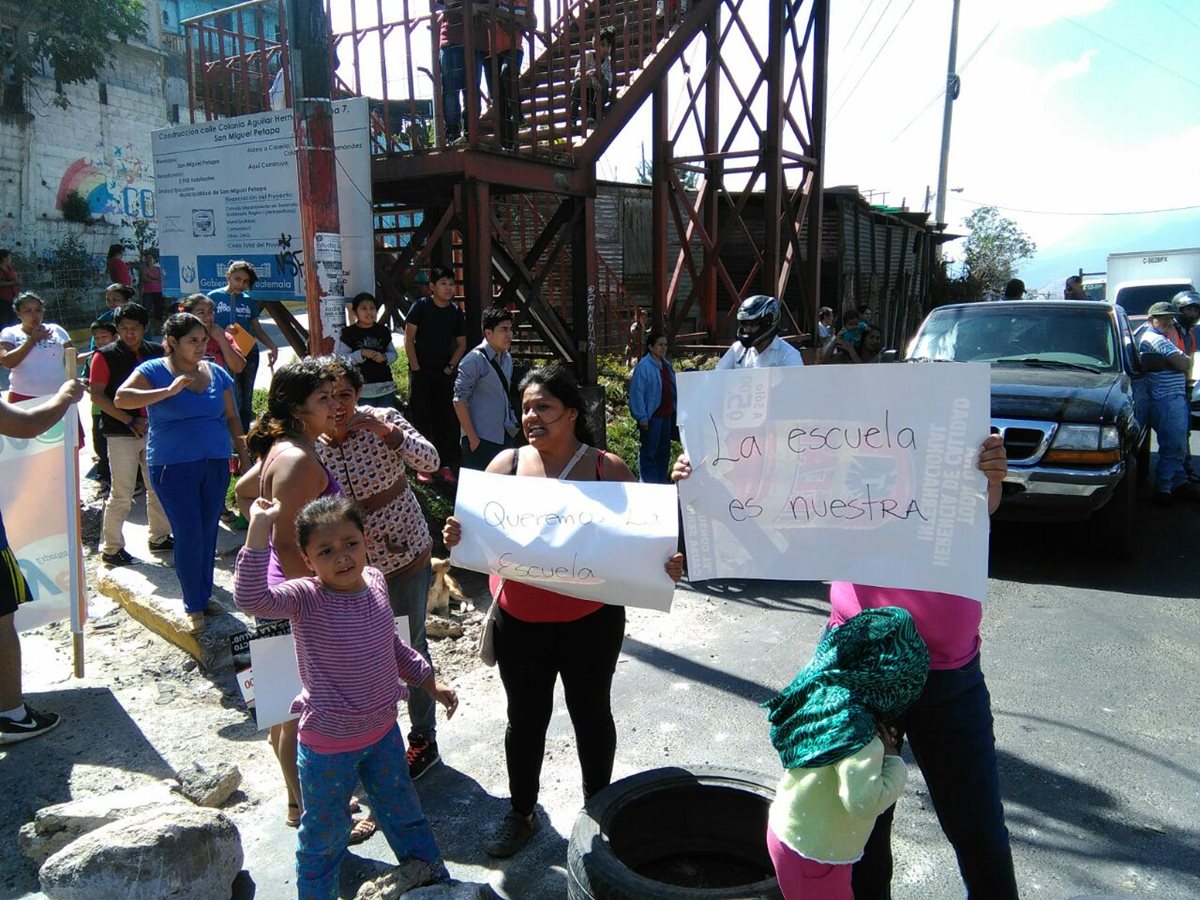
949,727
541,634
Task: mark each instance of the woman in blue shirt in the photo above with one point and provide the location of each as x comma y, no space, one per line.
192,418
652,403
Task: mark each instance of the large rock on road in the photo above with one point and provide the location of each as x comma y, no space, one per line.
184,852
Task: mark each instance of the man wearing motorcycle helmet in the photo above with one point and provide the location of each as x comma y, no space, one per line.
758,345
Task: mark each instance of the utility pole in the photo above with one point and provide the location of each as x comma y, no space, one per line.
952,84
312,108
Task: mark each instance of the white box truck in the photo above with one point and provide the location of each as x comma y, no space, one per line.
1137,280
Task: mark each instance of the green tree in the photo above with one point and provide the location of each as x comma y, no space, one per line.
74,36
995,246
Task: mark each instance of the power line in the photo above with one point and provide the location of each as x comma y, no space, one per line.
874,59
866,9
1144,59
1178,13
1047,212
938,96
861,47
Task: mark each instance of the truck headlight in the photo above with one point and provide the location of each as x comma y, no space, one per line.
1085,444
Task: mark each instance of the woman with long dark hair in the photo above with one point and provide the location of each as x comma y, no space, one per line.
540,634
299,410
193,431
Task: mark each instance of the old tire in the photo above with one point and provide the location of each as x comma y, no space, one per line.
1116,517
676,833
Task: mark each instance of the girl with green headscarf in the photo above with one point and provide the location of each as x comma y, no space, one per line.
842,765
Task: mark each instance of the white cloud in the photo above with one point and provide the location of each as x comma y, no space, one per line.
1068,69
1029,14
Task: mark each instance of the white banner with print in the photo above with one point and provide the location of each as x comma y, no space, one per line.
39,499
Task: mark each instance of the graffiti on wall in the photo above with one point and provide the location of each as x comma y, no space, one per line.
122,186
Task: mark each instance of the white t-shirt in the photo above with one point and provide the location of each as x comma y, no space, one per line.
778,353
41,373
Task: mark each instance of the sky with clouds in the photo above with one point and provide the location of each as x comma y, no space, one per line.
1066,106
1070,112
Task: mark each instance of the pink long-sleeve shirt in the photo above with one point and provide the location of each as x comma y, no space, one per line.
353,665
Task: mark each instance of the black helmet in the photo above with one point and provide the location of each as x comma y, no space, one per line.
1186,298
762,311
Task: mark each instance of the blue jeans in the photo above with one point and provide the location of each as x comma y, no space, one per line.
950,731
192,495
243,389
655,453
409,596
327,782
1169,419
452,60
506,95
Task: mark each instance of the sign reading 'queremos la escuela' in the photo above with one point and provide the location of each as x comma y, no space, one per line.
854,473
598,540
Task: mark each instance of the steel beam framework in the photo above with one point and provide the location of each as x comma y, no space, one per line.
752,121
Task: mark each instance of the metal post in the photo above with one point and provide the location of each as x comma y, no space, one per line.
477,256
583,288
316,172
659,200
816,200
772,153
947,114
714,174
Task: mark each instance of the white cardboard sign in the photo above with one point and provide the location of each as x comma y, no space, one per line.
857,473
273,680
276,679
597,540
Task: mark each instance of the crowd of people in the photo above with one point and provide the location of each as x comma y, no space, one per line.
337,545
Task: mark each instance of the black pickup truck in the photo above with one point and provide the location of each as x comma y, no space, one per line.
1068,397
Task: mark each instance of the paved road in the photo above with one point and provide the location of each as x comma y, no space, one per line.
1092,664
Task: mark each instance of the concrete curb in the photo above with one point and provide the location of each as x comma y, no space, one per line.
151,595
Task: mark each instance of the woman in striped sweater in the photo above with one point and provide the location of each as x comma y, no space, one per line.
348,702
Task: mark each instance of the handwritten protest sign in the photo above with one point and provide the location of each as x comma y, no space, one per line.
598,540
855,473
39,494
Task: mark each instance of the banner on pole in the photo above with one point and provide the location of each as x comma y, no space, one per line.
855,473
605,541
39,497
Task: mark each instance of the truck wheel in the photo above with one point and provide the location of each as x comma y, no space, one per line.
1116,518
675,834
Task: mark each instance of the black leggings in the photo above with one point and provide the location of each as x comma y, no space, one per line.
531,656
431,411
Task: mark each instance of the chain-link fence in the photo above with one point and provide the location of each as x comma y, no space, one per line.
63,263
